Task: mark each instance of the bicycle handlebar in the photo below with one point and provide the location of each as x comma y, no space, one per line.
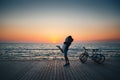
93,50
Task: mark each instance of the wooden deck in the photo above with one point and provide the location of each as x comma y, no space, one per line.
54,70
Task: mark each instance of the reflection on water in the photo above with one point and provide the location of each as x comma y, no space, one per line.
35,51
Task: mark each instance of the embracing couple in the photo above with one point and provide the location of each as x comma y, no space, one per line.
65,48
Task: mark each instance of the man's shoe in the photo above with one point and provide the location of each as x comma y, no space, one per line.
65,65
68,63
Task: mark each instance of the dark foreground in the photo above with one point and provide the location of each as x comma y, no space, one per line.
54,70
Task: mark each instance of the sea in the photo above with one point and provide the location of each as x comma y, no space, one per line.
49,51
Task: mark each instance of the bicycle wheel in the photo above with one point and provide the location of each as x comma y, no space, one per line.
99,58
83,57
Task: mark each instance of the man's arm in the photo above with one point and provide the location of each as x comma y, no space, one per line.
59,48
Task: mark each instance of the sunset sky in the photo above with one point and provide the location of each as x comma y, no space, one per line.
53,20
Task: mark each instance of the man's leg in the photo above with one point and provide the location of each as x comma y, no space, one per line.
67,60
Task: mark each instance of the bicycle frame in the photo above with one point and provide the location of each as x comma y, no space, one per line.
96,57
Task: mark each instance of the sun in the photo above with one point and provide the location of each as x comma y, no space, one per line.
54,40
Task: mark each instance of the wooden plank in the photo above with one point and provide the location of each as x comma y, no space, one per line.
54,70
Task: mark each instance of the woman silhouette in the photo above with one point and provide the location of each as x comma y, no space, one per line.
65,48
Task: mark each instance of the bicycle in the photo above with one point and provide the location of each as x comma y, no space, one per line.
96,57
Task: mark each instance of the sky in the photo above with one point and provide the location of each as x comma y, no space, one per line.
53,20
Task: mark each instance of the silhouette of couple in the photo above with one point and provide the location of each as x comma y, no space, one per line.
65,48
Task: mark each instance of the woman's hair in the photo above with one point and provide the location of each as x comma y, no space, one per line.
70,38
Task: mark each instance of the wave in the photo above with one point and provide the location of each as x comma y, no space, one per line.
49,51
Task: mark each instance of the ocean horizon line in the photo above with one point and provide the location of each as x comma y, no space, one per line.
59,42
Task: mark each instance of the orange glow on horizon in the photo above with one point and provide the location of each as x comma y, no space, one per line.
56,35
53,39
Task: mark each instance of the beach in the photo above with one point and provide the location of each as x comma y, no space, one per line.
54,70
